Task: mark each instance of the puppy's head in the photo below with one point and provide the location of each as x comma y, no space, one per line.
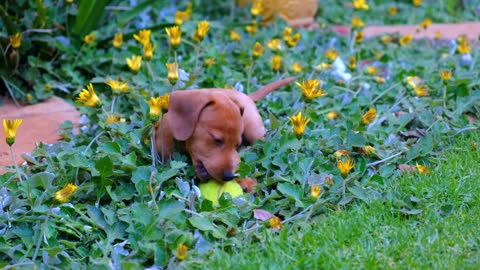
211,125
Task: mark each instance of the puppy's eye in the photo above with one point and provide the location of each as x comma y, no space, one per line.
218,142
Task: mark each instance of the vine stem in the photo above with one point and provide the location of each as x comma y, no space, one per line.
42,232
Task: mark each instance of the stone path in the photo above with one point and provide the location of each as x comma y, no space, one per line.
447,31
40,124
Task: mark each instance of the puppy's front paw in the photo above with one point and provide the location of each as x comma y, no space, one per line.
247,184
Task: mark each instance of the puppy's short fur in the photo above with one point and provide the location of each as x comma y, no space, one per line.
212,123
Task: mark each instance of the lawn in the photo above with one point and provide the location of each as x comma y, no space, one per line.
365,163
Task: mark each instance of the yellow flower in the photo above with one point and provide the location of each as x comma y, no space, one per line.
10,127
371,70
292,41
257,7
16,40
437,35
276,62
287,32
369,116
360,4
175,35
299,123
421,90
210,62
357,22
275,222
234,35
426,23
182,251
89,39
117,86
29,97
88,97
181,16
311,88
117,40
68,1
446,75
323,66
112,118
405,40
252,28
359,37
148,50
157,105
143,36
172,73
417,3
64,194
331,54
413,81
257,50
275,44
341,153
379,79
422,169
332,115
386,39
315,190
296,67
345,166
352,62
47,88
202,30
368,150
329,180
464,45
392,11
134,63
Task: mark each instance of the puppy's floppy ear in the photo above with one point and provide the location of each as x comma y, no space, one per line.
184,110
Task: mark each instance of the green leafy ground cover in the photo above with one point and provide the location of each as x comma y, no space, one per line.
128,213
375,235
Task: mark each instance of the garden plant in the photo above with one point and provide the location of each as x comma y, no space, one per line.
363,113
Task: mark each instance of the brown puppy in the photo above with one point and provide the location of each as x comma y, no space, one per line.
212,124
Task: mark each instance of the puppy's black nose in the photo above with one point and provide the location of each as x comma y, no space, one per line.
228,176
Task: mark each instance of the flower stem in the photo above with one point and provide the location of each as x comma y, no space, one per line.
42,232
152,176
154,153
79,53
15,164
112,108
150,71
444,97
249,77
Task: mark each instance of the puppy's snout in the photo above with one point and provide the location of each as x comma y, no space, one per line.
228,176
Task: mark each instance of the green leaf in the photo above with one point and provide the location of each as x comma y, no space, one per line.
170,208
292,192
411,211
355,139
104,166
42,179
359,193
274,123
88,16
205,224
96,215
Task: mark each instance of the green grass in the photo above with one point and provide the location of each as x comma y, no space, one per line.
376,235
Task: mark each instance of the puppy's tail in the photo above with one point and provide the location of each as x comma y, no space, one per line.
267,89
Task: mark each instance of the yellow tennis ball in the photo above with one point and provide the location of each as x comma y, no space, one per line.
212,190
